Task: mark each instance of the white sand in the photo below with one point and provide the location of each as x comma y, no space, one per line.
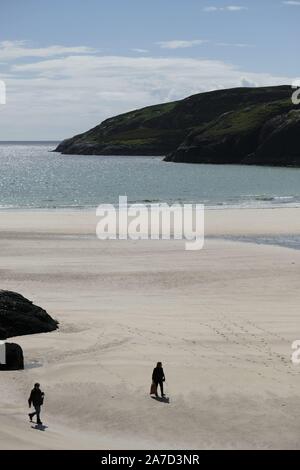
222,320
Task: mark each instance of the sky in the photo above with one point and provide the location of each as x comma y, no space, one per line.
69,64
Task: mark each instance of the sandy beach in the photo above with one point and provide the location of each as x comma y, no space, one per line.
222,321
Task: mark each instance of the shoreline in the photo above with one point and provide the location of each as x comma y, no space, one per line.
222,222
218,207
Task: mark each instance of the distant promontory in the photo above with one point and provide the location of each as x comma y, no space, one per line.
251,126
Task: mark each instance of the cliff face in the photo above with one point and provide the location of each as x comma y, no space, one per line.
148,131
243,125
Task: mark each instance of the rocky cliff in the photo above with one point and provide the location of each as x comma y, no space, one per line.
253,126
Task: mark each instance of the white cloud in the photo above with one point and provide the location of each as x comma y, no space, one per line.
140,51
235,8
11,50
229,44
180,44
292,2
61,96
226,8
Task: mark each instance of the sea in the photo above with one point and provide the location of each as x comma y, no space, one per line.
35,177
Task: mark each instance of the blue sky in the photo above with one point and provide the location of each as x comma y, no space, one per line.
69,64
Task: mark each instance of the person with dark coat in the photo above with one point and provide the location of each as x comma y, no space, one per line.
159,378
36,399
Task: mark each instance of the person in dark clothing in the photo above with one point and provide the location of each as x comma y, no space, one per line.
36,399
159,378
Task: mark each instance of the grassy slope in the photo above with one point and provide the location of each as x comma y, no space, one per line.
161,129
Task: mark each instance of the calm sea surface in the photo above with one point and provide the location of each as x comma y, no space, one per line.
34,177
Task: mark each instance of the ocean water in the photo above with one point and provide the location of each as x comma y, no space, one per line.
34,177
287,241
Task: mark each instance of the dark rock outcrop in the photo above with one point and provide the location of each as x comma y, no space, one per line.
254,126
19,316
14,357
267,138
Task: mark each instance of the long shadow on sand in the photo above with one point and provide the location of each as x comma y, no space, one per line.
39,427
162,399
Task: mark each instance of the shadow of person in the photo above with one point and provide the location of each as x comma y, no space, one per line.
162,399
39,427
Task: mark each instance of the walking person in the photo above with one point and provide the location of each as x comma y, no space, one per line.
158,378
36,399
